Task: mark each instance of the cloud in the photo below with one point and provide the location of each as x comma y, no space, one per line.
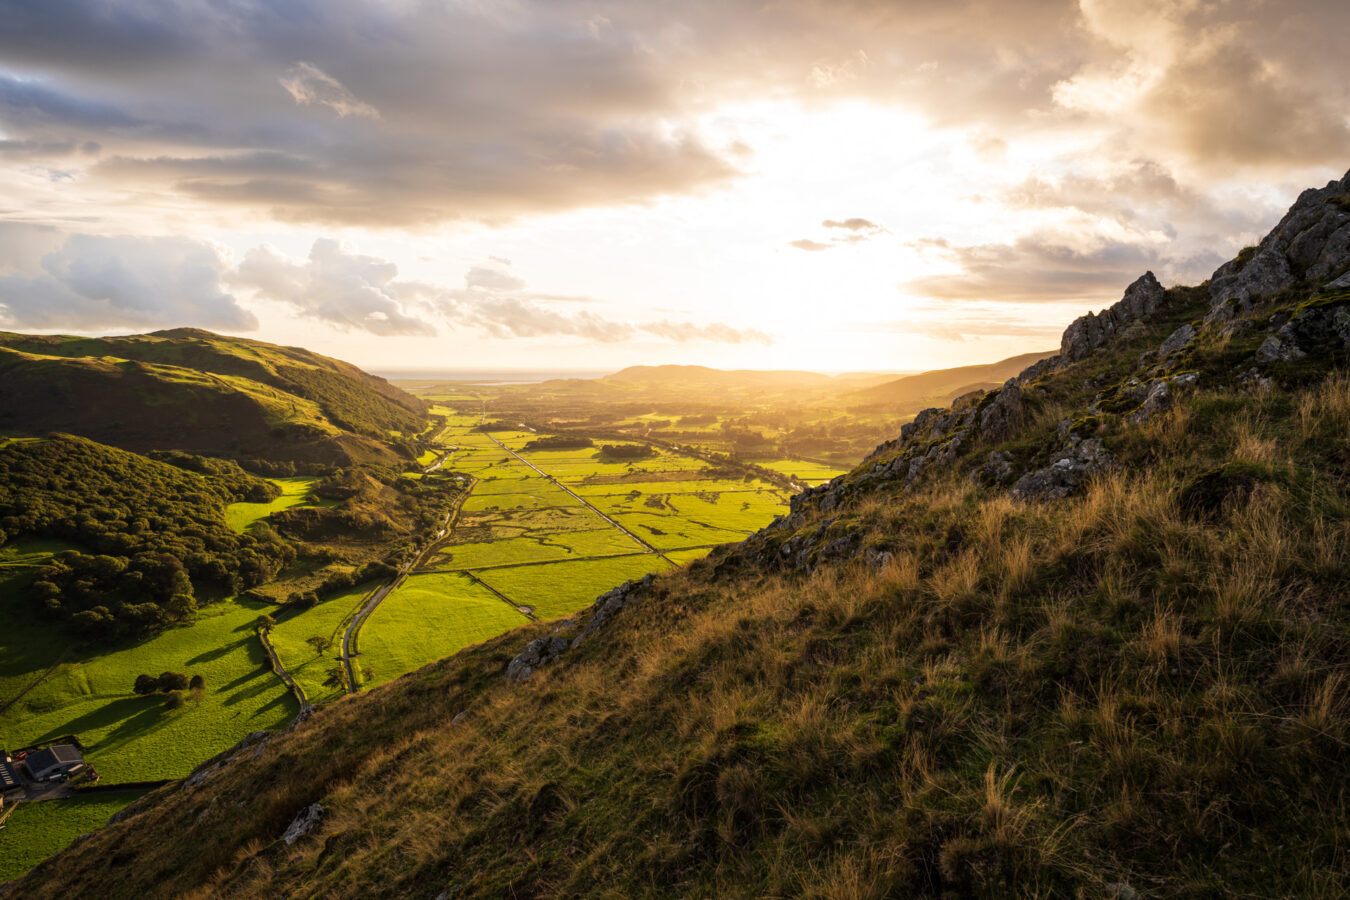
854,224
492,279
684,332
508,317
92,282
336,285
809,245
1049,267
307,84
489,111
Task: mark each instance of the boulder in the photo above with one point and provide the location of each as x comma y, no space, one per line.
1071,467
1002,416
615,599
1177,340
536,653
303,824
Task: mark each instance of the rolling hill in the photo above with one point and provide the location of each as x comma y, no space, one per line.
941,386
193,390
1082,636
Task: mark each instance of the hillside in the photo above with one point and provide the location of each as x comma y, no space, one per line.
914,392
1084,635
193,390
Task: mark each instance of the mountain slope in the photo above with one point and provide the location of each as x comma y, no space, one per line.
942,385
1082,636
193,390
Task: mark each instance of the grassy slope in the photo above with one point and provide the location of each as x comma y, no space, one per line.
1030,699
294,492
133,738
427,618
35,831
190,389
326,620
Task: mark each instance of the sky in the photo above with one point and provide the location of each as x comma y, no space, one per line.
833,185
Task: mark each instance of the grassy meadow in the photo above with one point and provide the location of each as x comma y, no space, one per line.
429,617
295,491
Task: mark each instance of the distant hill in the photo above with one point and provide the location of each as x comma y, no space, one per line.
193,390
705,377
941,386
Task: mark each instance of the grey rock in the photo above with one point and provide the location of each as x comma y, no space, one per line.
460,717
303,824
1311,242
1277,349
1037,369
1071,467
996,469
1085,334
1177,340
612,601
1342,282
1119,890
536,653
1003,414
1158,399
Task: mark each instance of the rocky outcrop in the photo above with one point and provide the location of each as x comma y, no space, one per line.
1142,298
303,824
1177,341
536,653
1072,466
1309,328
1310,244
1001,417
609,603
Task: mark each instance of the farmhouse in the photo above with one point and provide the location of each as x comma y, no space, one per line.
59,759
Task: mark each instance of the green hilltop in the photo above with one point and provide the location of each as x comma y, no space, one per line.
1084,635
193,390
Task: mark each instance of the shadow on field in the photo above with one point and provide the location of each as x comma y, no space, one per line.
217,652
127,717
252,690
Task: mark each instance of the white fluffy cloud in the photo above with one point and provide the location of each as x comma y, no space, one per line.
335,285
91,282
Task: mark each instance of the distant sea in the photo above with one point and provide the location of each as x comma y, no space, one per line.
480,376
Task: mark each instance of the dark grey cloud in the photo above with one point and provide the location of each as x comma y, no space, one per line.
92,282
394,114
1045,268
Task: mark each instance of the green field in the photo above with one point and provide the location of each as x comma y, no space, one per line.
559,589
811,473
132,738
294,492
325,620
427,618
37,830
540,495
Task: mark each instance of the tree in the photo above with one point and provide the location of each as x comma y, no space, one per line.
319,643
172,681
337,677
197,683
174,700
265,622
145,684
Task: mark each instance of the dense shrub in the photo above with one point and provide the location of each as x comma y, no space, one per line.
147,530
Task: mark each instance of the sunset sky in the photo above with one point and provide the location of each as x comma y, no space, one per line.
562,184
